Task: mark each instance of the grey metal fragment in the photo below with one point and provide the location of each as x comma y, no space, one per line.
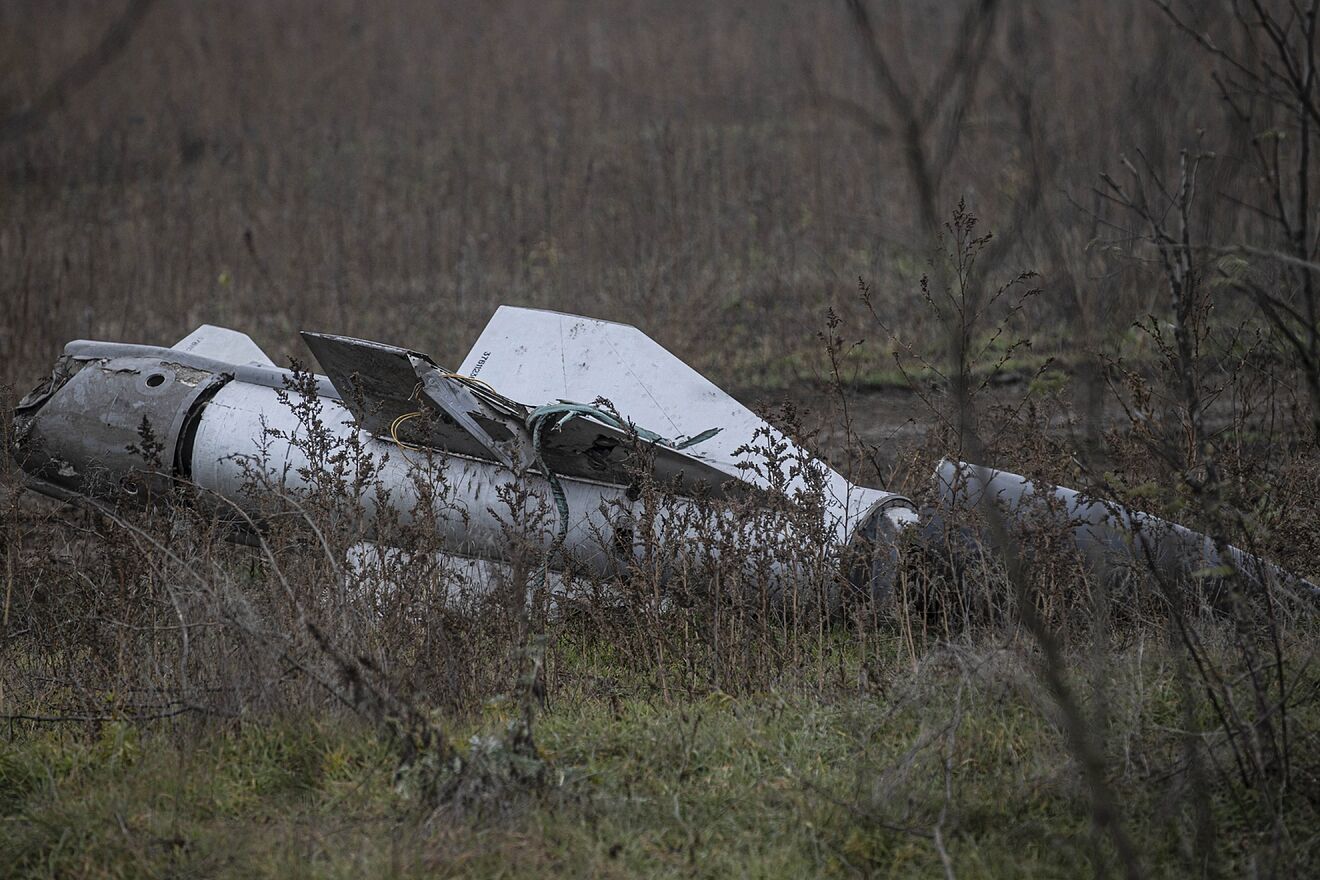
1109,535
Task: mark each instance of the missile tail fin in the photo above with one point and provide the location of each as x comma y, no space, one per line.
223,344
540,357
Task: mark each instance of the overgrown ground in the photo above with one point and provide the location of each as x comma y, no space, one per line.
918,738
856,779
786,195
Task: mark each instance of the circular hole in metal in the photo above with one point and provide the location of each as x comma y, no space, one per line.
155,379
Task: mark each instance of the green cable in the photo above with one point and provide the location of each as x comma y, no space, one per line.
567,411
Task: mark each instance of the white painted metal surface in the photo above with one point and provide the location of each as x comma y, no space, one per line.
223,344
234,442
1107,533
538,357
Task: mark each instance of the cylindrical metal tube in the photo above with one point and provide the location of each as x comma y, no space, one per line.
246,437
246,432
113,419
1105,532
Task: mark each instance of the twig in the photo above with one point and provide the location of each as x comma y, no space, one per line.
80,73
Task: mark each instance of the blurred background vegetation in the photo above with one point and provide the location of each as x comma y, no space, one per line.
716,173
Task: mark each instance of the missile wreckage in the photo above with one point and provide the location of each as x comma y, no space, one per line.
556,403
567,407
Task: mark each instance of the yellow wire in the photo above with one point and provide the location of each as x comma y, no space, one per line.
398,423
416,395
394,434
472,380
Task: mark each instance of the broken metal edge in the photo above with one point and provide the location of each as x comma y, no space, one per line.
270,377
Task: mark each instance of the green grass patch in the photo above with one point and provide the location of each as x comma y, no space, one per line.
770,785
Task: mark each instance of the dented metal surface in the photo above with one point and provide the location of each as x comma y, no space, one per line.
111,425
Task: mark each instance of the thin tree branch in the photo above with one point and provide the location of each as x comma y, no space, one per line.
77,75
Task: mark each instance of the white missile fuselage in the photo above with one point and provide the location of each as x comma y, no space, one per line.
214,412
562,411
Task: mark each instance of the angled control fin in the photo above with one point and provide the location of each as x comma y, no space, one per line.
383,384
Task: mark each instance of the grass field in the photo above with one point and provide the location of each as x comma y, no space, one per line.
854,780
1073,240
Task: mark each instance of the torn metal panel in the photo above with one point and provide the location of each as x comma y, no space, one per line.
496,432
382,387
109,426
583,446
